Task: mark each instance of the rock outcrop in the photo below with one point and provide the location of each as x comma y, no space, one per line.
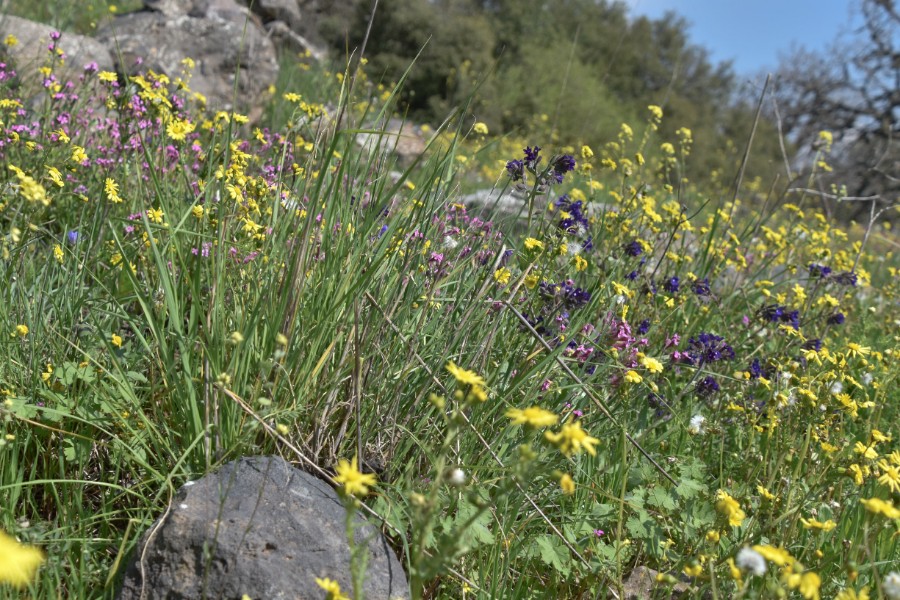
222,37
262,528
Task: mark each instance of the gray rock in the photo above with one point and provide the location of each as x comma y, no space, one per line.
642,585
31,52
259,527
222,38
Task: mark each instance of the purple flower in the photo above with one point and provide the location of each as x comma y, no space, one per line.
836,319
671,285
633,248
708,348
846,278
72,237
644,327
532,156
816,270
701,287
516,170
707,386
563,165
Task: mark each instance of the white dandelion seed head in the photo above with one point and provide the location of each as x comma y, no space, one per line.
837,387
750,561
457,477
867,378
450,243
696,425
891,585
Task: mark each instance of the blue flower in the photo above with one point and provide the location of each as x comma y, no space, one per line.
516,170
701,287
671,285
836,319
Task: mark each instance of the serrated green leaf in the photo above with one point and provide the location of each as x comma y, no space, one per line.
689,488
661,498
638,528
552,553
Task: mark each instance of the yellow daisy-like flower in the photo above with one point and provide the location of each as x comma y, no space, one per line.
890,476
332,589
502,275
878,506
533,245
729,507
571,439
463,376
774,555
18,563
178,129
854,349
155,215
352,480
106,76
534,416
816,524
807,583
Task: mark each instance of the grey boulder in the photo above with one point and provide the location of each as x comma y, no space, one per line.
262,528
222,37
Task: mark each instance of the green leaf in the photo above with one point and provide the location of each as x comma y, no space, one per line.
660,498
553,553
689,488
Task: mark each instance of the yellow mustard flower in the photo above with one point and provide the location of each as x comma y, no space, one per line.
774,555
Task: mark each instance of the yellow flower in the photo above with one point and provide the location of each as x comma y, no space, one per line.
502,275
571,438
850,594
567,484
155,215
197,211
21,331
116,340
854,349
867,451
106,76
332,589
178,129
463,376
775,555
18,563
534,416
816,524
58,253
533,245
633,377
878,506
729,507
112,191
354,482
480,128
765,493
10,41
890,476
652,365
807,584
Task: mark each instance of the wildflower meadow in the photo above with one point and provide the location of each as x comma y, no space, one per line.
630,369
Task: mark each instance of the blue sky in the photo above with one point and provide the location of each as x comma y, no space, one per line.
753,32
